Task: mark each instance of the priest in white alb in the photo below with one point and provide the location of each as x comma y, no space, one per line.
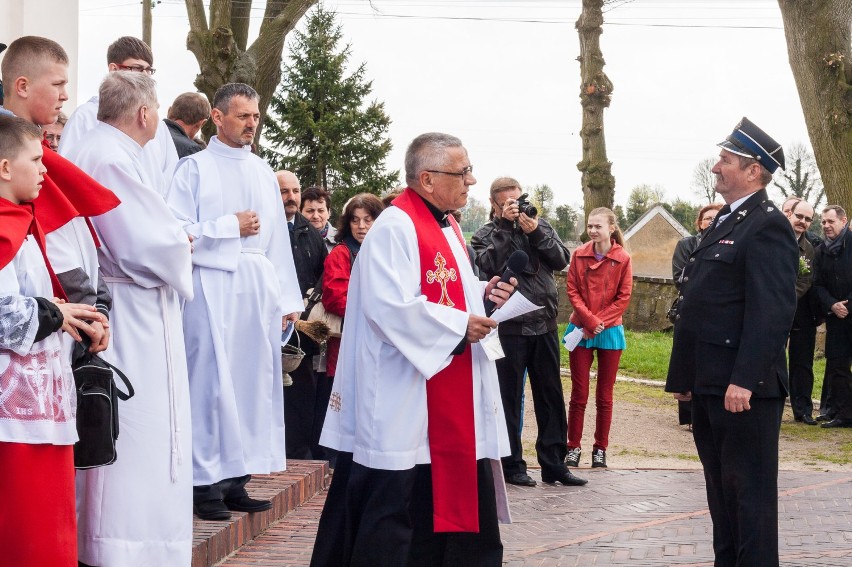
137,511
245,290
415,408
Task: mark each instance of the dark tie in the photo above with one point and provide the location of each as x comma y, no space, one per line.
726,210
290,224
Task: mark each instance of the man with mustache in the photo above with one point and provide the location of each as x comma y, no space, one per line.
245,291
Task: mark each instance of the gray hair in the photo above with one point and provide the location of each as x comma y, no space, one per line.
428,151
122,93
223,96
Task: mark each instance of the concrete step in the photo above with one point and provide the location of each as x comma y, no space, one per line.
214,541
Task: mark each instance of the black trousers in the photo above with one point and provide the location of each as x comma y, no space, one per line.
381,518
801,369
299,408
538,355
229,488
739,452
838,373
324,385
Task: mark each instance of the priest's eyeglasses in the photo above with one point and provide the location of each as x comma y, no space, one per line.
463,173
137,69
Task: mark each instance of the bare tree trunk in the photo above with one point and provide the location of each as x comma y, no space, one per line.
818,46
595,92
221,51
146,21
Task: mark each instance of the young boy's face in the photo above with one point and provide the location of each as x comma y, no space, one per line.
23,175
46,93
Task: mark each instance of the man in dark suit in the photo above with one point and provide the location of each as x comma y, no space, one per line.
736,308
833,288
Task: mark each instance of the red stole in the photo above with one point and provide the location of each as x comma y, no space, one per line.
68,192
16,222
449,393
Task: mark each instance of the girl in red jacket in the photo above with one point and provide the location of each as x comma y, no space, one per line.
600,280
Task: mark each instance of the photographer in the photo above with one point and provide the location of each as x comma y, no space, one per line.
530,341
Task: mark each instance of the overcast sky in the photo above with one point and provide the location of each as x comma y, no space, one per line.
503,76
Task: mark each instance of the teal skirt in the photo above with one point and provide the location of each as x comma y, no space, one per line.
611,338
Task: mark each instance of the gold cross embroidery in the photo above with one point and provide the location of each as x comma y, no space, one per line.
442,275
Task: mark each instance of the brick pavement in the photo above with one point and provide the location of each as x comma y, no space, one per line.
635,517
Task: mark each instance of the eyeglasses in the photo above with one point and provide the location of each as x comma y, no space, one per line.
466,171
137,69
802,217
708,219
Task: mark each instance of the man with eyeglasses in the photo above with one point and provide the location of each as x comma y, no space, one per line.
739,298
530,341
803,333
159,156
833,288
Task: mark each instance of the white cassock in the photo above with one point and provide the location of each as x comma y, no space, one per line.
243,287
393,341
159,156
138,511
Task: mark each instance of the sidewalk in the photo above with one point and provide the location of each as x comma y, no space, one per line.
635,517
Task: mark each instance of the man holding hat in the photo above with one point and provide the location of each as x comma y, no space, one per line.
738,298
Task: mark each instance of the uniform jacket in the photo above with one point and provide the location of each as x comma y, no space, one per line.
309,253
599,291
833,283
495,242
738,297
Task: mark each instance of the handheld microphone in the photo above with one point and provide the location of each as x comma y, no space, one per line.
514,266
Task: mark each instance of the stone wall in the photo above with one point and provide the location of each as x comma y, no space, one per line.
649,303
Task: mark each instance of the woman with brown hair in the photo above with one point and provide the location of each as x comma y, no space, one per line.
600,281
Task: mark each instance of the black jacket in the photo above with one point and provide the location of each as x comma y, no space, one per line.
309,252
833,283
738,297
808,313
184,145
495,242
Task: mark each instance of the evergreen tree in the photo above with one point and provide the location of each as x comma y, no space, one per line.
321,128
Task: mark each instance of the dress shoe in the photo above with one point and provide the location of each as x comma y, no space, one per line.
837,422
808,419
824,417
563,477
211,510
520,479
246,504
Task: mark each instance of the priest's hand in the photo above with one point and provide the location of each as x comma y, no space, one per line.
478,327
100,340
290,318
498,291
74,317
249,223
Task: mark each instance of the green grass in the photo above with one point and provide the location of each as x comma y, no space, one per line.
647,356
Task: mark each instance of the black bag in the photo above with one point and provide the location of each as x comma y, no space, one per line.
97,408
671,315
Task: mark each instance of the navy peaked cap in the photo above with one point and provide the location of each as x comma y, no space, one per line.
750,141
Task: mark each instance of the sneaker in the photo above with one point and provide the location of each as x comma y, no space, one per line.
573,458
598,458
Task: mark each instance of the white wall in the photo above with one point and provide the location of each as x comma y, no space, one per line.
55,19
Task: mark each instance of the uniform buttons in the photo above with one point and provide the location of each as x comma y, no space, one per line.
680,298
692,259
716,256
727,341
760,383
677,317
686,278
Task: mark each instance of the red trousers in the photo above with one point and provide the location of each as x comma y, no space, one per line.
38,523
580,361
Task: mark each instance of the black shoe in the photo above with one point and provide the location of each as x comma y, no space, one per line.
563,477
837,422
824,417
520,479
573,458
598,459
246,504
211,510
808,419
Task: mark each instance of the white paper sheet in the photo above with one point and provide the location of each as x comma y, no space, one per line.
572,339
515,307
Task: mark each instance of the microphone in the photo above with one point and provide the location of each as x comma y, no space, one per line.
514,266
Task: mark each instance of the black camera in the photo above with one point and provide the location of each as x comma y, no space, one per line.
525,207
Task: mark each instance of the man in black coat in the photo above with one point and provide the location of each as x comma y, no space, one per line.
737,303
309,253
833,288
186,116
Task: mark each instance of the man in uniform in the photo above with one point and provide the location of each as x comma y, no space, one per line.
738,299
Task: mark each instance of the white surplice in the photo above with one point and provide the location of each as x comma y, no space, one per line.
138,511
159,156
243,286
393,341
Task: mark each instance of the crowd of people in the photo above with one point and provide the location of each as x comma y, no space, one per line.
186,264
